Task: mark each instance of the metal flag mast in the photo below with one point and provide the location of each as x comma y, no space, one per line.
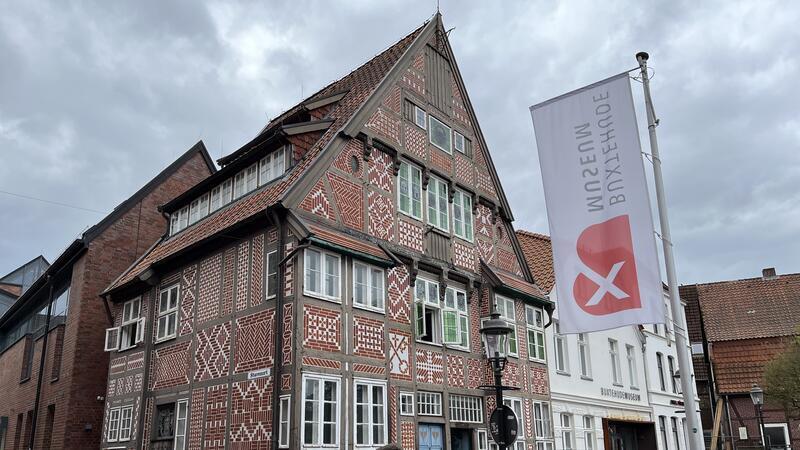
694,432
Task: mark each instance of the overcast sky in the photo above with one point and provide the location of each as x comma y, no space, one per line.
96,98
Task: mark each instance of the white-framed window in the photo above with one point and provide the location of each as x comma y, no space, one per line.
588,433
462,215
167,324
179,219
543,426
439,134
119,424
613,353
455,320
466,408
406,404
409,190
662,426
420,118
368,291
660,365
251,178
505,306
516,405
132,327
272,166
438,208
483,439
284,410
370,413
321,410
675,433
202,205
181,419
534,322
562,357
674,382
429,403
174,226
227,191
633,374
322,274
567,433
216,199
194,211
272,274
584,356
776,434
545,445
239,184
427,309
459,142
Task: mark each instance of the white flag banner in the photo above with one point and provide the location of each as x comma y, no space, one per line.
606,265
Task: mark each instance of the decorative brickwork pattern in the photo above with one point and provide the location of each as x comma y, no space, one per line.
380,171
135,361
410,235
507,260
392,100
216,417
485,250
148,419
414,81
455,371
212,354
323,328
474,371
475,320
242,275
272,235
464,256
188,295
170,366
353,149
442,161
480,158
111,388
490,406
288,324
409,433
196,419
226,305
539,382
483,221
321,362
369,369
381,216
393,392
251,414
368,337
317,201
485,184
416,141
254,341
430,367
117,365
464,169
286,382
528,418
209,290
399,295
288,287
350,200
399,355
137,410
385,124
257,272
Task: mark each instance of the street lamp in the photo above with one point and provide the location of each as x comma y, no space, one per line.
757,396
495,333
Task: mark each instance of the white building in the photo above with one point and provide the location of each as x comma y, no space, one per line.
606,386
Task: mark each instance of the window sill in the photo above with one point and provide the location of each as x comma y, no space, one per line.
322,297
584,377
410,215
165,339
127,348
634,388
618,385
457,348
561,372
445,233
24,380
369,308
536,360
434,344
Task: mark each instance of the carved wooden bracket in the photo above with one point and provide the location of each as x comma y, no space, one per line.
426,178
451,192
413,271
367,151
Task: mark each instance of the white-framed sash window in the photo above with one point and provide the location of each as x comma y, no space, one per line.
438,208
455,319
368,287
409,190
427,307
371,428
167,325
321,410
534,322
462,215
322,274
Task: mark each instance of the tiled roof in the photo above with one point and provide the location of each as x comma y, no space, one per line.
520,285
740,364
694,324
539,255
343,240
359,83
750,308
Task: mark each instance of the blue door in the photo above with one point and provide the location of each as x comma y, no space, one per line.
431,437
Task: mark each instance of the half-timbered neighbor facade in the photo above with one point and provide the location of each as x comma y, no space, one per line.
325,288
52,366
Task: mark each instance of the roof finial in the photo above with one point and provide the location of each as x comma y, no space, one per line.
437,7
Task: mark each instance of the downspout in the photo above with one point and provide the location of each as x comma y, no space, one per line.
278,361
41,363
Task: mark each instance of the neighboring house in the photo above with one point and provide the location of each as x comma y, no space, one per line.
325,289
746,324
63,317
611,389
18,281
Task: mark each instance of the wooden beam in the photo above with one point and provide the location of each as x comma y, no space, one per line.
717,420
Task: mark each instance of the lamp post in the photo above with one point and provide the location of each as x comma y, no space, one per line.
757,396
495,340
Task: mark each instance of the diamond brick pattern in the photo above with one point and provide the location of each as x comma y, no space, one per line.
188,292
170,366
216,417
368,337
465,171
386,124
399,355
381,170
485,183
288,321
242,275
416,141
507,260
442,161
254,341
474,371
257,272
226,305
316,202
381,216
251,414
369,369
464,256
408,432
212,354
430,367
323,328
504,234
321,362
197,409
455,371
392,100
410,235
135,361
209,289
350,200
418,63
480,158
353,148
490,406
399,295
483,221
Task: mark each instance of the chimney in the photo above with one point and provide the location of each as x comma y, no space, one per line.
769,273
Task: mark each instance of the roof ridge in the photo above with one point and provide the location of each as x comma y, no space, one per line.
779,277
533,234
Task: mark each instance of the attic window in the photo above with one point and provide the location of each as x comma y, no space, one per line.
440,135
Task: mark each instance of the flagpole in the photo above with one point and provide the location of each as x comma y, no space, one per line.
694,432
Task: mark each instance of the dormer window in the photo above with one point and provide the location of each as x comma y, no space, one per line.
272,166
